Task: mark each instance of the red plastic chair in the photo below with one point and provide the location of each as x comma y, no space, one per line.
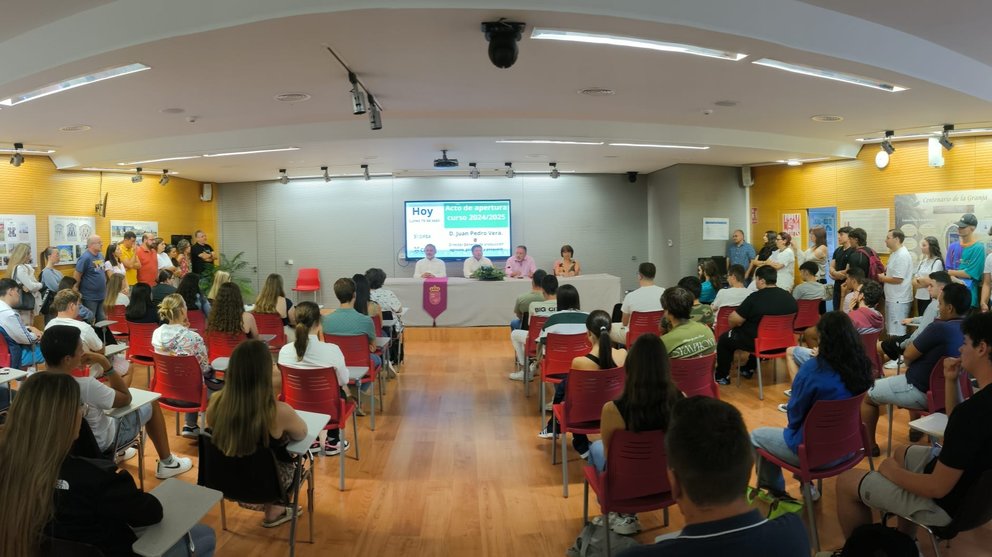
694,376
559,351
221,345
317,390
197,321
870,342
585,394
180,382
634,480
4,353
117,313
721,324
534,327
356,354
308,280
271,324
808,315
774,336
936,401
832,431
140,351
643,322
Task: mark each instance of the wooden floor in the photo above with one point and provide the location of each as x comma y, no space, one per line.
455,467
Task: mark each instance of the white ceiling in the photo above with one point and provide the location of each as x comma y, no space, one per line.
428,68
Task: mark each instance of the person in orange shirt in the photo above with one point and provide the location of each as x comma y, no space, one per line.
147,260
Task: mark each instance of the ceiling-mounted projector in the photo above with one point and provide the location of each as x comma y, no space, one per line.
444,161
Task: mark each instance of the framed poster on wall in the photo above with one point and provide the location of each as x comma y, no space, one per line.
119,227
14,230
68,235
936,214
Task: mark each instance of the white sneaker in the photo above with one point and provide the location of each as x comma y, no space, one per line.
625,524
784,408
549,406
546,434
519,376
814,493
787,392
127,454
180,465
892,364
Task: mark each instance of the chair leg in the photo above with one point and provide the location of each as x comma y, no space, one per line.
664,513
888,451
177,423
564,467
808,499
354,427
607,528
761,389
372,420
541,402
297,475
554,441
310,503
341,457
585,502
141,459
223,515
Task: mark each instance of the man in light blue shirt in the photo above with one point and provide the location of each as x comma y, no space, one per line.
740,252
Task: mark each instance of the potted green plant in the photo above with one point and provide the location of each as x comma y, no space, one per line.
488,273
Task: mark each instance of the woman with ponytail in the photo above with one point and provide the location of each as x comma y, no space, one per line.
601,356
309,351
175,338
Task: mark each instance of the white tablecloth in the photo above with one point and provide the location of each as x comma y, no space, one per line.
473,303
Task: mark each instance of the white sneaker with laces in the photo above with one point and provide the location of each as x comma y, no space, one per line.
784,408
519,376
127,454
179,465
546,434
625,524
892,364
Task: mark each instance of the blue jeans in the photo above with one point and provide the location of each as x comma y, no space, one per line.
96,307
772,439
597,455
204,541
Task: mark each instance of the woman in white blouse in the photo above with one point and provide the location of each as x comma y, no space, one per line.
783,260
19,268
112,261
817,253
931,262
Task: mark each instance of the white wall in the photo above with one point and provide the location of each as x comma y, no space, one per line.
349,225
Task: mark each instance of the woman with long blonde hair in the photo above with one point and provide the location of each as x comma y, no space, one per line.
228,315
175,338
45,492
220,278
117,293
19,268
272,299
246,417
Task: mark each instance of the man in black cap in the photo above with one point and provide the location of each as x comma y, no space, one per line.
969,268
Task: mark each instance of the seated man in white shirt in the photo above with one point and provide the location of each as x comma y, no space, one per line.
19,336
309,351
733,296
518,337
646,298
66,304
429,266
63,350
474,263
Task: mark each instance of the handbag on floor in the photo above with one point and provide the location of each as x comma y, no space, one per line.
592,543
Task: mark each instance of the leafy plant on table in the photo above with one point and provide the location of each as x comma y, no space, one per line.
488,273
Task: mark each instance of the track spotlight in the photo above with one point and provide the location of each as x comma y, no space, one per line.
375,115
944,141
283,177
474,173
357,96
137,178
365,172
554,170
887,142
18,158
503,37
327,177
165,177
509,170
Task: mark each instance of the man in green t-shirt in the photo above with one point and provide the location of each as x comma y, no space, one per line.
522,305
972,257
687,338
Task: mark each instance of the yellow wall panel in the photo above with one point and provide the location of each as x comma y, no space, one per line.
38,188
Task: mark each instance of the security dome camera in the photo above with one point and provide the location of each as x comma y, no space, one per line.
632,176
503,36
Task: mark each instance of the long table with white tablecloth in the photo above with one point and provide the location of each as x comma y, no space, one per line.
474,303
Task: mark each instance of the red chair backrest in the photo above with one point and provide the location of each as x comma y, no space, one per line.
721,324
313,390
643,322
774,336
179,378
870,342
936,401
560,349
197,321
588,390
831,431
140,339
694,376
4,353
81,372
271,324
808,315
377,324
534,327
221,345
308,279
354,347
117,313
636,466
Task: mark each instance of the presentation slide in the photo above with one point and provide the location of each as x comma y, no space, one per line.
455,226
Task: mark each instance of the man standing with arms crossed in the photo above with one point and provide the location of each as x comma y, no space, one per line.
838,264
897,283
202,254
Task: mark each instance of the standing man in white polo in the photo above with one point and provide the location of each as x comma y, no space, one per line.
646,298
898,283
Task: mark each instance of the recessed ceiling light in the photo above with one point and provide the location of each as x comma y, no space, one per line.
292,97
634,42
549,141
597,92
75,128
236,153
826,118
660,146
830,74
134,163
74,82
173,110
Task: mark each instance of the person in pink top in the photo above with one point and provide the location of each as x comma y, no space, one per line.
520,265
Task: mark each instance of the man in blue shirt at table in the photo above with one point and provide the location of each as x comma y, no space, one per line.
739,252
709,467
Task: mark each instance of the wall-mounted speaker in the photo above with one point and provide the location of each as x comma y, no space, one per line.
746,179
206,192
